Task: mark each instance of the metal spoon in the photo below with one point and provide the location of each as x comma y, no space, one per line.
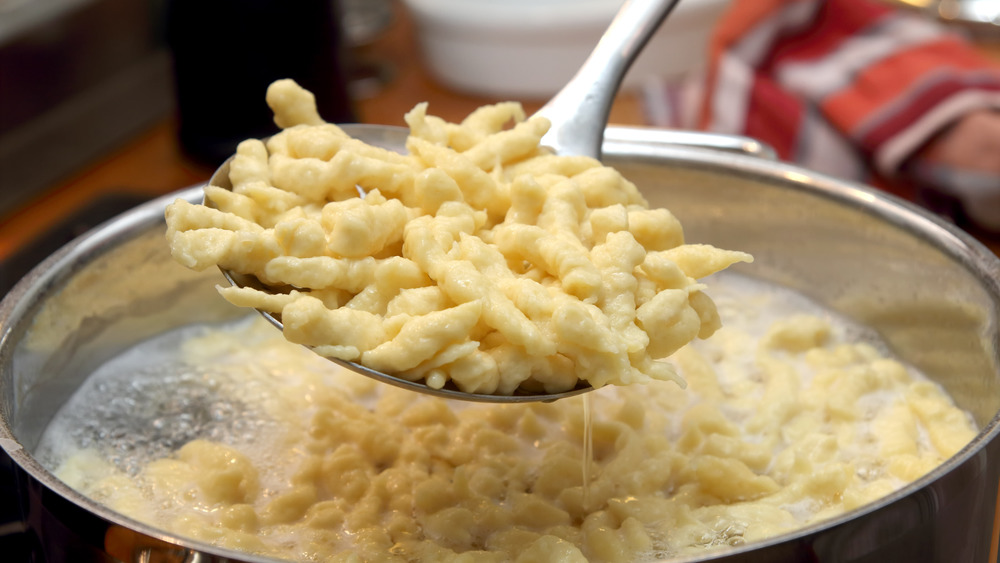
579,114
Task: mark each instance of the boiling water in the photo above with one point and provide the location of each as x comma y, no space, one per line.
148,402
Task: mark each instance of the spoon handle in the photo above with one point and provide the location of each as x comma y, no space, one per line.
579,112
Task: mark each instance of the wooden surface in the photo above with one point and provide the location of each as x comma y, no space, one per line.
152,164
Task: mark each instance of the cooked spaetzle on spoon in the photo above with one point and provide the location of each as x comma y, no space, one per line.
482,264
479,259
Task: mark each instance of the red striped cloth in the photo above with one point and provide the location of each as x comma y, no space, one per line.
847,87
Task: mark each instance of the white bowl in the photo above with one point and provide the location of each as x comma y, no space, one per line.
531,48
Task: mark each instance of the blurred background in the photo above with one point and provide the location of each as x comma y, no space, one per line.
108,103
105,104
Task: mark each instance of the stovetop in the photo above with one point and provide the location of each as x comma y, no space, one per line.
15,543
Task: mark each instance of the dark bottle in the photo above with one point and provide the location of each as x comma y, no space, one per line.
225,54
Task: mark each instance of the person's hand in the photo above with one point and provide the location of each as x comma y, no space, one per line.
958,173
972,144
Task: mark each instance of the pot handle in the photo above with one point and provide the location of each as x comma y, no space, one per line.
697,139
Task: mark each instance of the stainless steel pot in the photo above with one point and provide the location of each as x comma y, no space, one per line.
932,291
